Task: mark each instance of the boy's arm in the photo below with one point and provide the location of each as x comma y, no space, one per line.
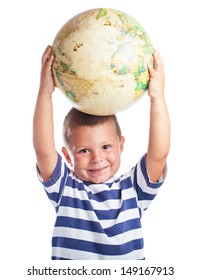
159,131
43,131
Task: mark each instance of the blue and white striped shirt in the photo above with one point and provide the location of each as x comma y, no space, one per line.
99,221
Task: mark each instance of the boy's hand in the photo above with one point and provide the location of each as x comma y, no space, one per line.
43,130
159,130
156,82
47,84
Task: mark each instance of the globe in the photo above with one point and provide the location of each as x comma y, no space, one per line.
100,63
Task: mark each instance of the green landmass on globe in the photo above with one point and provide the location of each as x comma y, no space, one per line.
101,58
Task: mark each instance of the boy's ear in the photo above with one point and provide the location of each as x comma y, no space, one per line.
122,143
66,155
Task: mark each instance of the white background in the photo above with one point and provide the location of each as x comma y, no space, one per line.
171,224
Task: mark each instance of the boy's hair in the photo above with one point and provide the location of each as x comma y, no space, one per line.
77,118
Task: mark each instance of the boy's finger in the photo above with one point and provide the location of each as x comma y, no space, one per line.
158,64
50,61
46,54
150,68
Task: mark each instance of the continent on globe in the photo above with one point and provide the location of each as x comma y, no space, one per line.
101,58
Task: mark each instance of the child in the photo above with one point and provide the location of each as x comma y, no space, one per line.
98,216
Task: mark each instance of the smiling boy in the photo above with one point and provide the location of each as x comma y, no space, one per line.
98,215
94,145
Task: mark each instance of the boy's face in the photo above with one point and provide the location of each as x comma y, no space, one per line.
95,152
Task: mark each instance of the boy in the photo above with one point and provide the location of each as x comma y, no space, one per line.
98,216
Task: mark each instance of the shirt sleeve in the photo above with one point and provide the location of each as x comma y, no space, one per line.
145,189
55,185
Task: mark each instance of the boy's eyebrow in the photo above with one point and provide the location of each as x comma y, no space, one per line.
86,145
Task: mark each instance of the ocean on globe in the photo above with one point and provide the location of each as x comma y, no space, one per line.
101,58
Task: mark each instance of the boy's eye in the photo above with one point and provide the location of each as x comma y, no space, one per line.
106,147
83,151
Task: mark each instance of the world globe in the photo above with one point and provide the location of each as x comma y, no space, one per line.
100,61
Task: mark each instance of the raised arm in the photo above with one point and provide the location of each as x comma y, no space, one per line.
159,131
43,130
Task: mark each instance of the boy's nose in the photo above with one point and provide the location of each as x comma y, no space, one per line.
96,157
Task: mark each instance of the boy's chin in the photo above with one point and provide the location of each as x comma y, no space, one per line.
97,179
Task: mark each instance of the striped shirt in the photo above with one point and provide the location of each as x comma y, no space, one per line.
99,221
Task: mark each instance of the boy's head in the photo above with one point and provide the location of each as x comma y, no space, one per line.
75,119
94,145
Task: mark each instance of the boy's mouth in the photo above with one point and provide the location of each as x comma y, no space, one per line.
97,170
